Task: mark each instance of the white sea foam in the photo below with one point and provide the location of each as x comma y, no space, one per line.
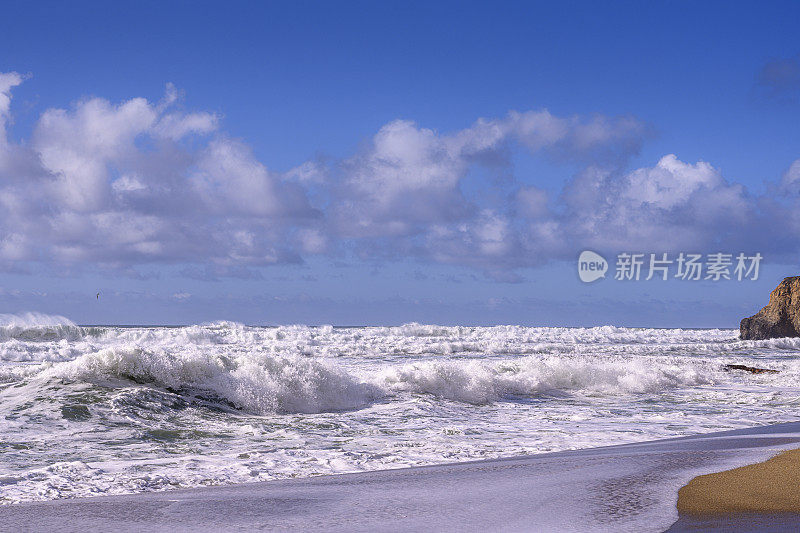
261,385
38,327
107,410
33,319
409,340
479,383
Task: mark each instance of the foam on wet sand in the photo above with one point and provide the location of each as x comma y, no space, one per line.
630,487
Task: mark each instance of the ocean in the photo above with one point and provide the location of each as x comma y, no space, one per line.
101,410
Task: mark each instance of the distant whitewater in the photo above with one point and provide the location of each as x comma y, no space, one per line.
106,410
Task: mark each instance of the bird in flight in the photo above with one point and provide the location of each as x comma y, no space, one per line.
98,295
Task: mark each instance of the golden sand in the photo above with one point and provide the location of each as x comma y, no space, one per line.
769,487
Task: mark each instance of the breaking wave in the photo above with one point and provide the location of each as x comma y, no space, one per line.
301,369
39,327
264,384
476,382
258,385
107,410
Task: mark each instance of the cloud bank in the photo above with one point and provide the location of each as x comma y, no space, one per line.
122,185
139,182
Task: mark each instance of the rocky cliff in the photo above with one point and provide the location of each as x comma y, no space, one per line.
780,317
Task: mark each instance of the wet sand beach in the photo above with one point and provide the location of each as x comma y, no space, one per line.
768,487
757,497
631,487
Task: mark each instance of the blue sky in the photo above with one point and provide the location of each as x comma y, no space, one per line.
386,162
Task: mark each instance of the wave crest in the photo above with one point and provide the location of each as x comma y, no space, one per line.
481,383
39,327
260,385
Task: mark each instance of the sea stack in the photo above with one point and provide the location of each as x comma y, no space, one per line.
780,317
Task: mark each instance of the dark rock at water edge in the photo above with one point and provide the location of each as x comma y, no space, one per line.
751,369
779,318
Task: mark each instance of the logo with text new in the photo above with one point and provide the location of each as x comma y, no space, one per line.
591,266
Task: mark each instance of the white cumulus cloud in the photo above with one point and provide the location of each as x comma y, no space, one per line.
125,184
119,184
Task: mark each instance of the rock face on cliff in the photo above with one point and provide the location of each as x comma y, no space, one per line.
780,317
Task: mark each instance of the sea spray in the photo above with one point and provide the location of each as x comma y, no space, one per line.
108,410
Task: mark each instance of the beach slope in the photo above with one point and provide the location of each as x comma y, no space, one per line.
619,488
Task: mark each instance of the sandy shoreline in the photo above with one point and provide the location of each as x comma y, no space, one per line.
767,487
631,487
756,497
